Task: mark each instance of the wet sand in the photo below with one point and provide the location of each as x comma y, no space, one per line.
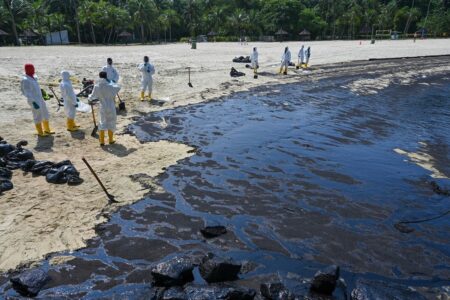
38,218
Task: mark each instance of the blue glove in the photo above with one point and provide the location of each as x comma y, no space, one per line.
76,105
35,105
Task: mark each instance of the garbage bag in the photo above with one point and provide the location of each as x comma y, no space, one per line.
26,166
19,155
5,173
42,167
5,185
64,172
236,73
5,149
242,59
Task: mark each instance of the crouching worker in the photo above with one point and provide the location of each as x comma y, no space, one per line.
70,100
106,92
32,91
147,70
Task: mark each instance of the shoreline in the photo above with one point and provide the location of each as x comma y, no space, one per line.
56,150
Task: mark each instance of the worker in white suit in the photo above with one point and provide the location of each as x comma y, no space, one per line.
147,70
70,100
106,92
32,91
285,61
111,72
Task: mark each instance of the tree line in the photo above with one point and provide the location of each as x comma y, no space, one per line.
102,21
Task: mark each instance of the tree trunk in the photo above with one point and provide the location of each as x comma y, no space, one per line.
170,32
13,22
93,33
77,24
142,34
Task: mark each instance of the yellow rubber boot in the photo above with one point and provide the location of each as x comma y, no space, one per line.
149,96
102,137
281,70
39,130
111,137
142,96
71,125
46,126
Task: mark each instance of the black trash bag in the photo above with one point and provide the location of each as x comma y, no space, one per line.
5,184
19,155
242,59
5,149
5,173
2,163
42,167
26,166
236,73
64,172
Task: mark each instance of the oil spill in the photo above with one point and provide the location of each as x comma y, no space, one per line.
301,176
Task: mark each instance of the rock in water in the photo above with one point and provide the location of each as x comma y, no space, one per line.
368,290
213,231
275,291
29,283
221,292
325,280
174,293
218,269
176,271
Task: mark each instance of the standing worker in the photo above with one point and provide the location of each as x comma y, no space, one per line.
285,61
301,56
255,64
70,100
112,74
147,70
308,56
106,92
31,89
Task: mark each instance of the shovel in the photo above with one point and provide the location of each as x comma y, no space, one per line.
189,72
56,97
121,103
111,198
94,131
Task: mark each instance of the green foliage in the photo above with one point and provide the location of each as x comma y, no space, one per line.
101,21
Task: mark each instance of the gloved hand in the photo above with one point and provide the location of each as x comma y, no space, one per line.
35,105
76,105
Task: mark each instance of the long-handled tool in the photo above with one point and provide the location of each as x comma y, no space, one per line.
94,131
111,198
121,103
189,72
80,94
56,97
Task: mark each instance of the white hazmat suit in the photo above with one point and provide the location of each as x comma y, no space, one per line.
111,73
147,70
68,95
301,55
254,58
106,92
32,91
285,60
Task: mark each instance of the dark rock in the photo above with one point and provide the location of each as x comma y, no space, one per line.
5,173
30,282
174,293
275,291
5,185
325,280
219,292
368,290
176,271
218,269
5,149
213,231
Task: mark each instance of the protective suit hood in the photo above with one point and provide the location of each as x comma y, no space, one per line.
65,76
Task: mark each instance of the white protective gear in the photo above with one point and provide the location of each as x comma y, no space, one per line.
106,92
301,55
147,70
31,89
286,59
111,73
68,95
254,58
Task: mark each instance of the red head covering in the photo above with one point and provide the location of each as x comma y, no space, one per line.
29,70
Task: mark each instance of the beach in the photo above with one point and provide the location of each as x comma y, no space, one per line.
38,218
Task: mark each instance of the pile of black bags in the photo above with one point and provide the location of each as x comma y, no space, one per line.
16,157
242,59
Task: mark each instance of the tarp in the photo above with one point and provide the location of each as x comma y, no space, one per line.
57,38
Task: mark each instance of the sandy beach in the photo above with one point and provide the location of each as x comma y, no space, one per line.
37,218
